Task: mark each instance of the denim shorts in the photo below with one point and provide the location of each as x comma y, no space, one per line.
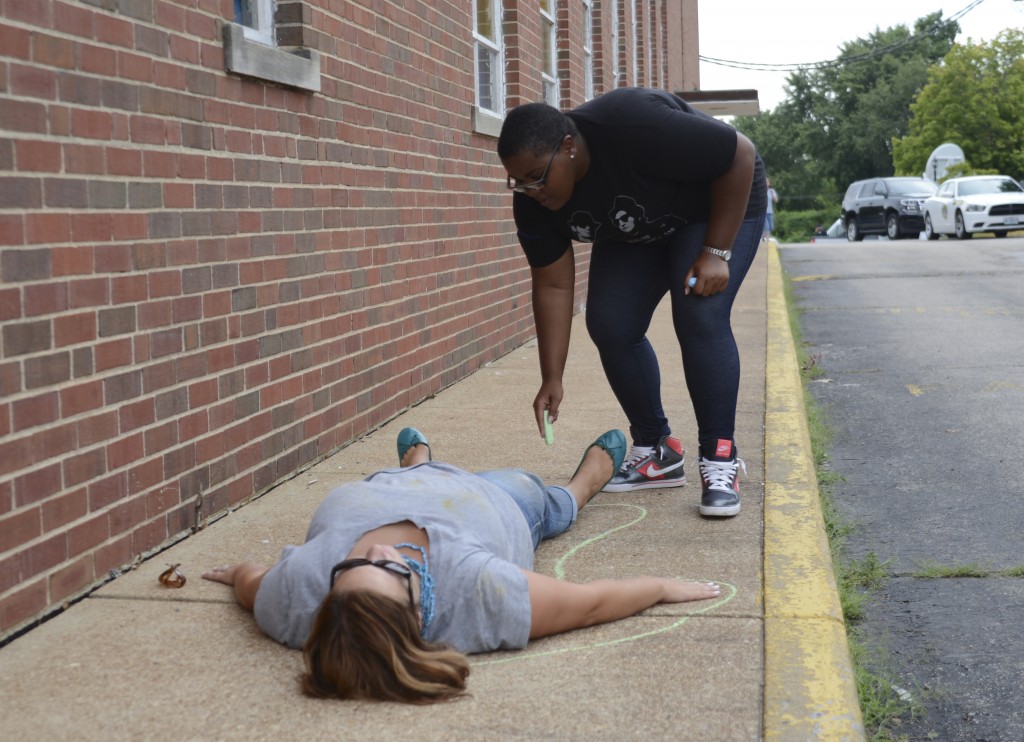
549,509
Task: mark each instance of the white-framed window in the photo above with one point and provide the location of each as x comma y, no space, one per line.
256,17
488,43
548,42
588,49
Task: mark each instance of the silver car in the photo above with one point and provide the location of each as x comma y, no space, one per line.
975,203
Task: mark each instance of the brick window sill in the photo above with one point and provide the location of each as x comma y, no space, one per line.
299,68
486,123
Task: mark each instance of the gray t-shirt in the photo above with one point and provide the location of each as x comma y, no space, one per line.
479,540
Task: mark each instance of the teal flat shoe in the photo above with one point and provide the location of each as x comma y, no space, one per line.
409,437
614,444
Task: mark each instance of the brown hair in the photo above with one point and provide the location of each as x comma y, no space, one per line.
367,646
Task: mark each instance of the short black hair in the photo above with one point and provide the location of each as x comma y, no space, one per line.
536,127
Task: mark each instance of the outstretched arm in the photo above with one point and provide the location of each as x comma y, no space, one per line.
557,606
553,287
245,578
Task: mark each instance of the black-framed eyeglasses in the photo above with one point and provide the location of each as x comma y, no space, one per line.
395,568
537,184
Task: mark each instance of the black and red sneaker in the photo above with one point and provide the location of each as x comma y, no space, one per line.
719,476
649,467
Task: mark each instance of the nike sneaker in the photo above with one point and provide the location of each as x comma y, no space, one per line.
650,467
720,496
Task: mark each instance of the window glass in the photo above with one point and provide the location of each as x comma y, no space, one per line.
912,187
488,50
988,185
257,18
485,20
485,79
549,73
243,13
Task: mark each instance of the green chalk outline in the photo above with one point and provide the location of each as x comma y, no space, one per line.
525,654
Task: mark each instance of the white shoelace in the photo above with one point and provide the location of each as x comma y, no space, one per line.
635,455
721,475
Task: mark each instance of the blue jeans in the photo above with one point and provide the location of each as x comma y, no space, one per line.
627,282
549,509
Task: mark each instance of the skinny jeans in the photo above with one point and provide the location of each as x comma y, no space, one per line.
626,284
549,510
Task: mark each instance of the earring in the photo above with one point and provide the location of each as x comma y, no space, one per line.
572,156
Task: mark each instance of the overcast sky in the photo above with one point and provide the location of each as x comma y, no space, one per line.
805,31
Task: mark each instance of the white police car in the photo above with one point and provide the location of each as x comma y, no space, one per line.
975,203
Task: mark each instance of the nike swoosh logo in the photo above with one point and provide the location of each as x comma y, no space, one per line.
654,471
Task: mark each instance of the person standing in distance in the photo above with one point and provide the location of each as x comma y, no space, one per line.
769,219
666,194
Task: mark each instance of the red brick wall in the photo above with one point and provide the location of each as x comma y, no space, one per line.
209,282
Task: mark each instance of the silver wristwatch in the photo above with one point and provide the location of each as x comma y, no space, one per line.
723,254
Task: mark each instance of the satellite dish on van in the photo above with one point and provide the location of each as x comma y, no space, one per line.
940,159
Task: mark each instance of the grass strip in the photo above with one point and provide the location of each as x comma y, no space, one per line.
883,701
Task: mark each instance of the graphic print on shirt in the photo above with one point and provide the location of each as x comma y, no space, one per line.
584,227
630,219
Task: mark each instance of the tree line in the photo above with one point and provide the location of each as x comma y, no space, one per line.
882,107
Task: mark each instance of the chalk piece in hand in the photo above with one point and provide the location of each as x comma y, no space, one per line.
692,282
549,432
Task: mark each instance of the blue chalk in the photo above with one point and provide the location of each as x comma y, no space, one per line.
692,282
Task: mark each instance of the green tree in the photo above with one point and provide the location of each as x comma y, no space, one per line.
839,119
778,135
863,101
974,98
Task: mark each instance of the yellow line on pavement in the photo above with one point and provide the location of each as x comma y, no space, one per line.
810,690
797,279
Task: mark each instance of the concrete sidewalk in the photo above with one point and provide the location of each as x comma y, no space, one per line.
767,660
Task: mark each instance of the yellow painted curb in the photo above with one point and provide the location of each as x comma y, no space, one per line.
810,691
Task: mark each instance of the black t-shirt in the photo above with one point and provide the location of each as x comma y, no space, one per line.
652,161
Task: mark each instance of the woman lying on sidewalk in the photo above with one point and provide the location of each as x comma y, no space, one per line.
404,571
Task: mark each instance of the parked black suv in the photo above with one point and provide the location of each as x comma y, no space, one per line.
889,206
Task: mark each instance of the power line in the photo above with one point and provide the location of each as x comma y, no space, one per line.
876,52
